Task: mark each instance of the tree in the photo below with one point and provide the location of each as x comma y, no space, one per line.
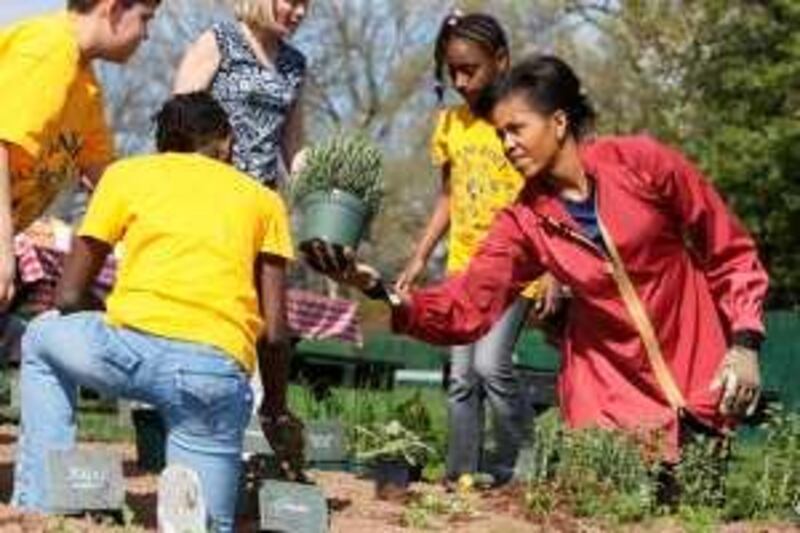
749,93
719,78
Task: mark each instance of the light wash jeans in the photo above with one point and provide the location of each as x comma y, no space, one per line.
482,371
202,394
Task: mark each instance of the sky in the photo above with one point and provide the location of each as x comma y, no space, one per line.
11,10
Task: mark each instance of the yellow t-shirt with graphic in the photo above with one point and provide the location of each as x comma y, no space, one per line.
51,112
482,181
191,229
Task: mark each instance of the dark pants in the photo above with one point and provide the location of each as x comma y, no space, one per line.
698,442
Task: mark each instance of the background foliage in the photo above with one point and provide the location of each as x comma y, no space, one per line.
719,78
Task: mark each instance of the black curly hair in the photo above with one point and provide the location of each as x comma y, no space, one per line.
548,84
190,122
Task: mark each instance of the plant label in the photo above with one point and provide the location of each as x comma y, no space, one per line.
292,507
85,481
326,442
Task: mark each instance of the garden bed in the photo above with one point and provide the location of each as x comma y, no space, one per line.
578,482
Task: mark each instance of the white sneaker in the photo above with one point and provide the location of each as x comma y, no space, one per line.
181,507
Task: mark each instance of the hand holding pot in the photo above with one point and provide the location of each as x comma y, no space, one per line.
339,264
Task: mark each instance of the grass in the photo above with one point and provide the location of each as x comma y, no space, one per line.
104,427
609,477
422,411
601,475
604,477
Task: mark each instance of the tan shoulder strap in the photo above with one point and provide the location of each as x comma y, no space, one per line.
643,324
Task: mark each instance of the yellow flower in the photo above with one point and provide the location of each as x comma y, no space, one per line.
466,483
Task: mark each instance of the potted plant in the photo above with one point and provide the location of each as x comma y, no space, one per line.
338,190
392,450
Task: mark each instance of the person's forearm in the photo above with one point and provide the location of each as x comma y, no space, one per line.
435,229
81,267
274,360
274,354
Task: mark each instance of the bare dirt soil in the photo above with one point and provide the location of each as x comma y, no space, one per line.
354,507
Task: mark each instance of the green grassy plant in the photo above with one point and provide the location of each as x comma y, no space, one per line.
392,442
349,163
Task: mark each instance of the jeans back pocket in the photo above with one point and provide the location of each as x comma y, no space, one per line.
211,403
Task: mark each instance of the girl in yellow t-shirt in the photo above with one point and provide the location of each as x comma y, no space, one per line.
477,181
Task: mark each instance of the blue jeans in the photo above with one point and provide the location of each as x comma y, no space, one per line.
482,371
202,394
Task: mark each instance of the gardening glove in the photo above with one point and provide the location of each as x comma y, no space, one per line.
740,381
284,433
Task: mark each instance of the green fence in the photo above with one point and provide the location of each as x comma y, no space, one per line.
780,358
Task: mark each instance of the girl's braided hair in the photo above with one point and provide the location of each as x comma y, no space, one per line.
479,28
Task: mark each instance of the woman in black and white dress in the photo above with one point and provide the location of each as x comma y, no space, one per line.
257,77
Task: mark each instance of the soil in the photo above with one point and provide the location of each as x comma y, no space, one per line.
354,508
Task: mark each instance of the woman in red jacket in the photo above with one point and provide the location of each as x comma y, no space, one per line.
666,317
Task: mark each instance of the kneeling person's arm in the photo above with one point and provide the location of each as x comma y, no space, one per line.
82,266
275,351
105,223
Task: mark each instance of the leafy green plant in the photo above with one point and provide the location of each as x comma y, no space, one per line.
414,414
593,472
424,509
391,442
764,480
349,163
701,473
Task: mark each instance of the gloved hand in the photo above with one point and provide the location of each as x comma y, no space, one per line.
284,433
740,380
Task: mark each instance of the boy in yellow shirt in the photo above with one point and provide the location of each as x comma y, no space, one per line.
182,322
52,128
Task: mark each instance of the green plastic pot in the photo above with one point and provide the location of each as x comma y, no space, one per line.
334,216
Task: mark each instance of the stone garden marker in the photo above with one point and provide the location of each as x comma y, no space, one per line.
85,480
292,508
326,442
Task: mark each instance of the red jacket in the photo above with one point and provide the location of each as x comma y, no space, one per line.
694,268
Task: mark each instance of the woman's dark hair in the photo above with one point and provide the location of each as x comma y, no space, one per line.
548,84
189,122
479,28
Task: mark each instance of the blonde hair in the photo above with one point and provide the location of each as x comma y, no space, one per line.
253,12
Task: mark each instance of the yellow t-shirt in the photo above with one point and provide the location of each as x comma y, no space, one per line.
191,229
482,181
51,112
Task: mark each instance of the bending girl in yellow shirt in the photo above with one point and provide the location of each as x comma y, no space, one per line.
477,181
52,129
181,324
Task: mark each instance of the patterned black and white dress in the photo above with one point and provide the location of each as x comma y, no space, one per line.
257,99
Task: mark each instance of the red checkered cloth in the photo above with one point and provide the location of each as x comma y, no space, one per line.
39,267
311,316
316,317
